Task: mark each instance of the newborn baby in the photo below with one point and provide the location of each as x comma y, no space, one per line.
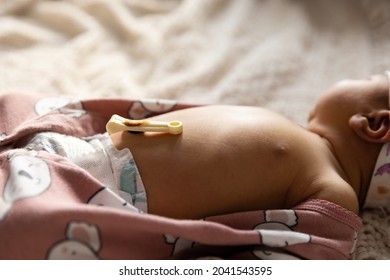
231,158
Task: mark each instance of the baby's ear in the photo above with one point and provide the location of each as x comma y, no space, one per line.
373,127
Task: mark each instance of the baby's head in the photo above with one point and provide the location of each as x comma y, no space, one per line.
354,116
358,105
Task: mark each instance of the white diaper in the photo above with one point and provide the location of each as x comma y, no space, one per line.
115,169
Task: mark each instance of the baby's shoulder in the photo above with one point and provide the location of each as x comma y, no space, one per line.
336,190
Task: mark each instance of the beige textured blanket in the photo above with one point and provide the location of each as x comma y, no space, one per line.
277,54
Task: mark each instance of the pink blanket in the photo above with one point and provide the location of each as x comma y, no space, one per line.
52,209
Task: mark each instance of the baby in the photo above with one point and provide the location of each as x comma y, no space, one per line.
231,159
61,167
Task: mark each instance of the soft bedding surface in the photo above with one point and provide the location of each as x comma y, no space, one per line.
276,54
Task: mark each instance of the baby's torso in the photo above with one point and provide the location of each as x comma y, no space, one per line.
228,159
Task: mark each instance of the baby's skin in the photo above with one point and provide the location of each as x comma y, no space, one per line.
232,159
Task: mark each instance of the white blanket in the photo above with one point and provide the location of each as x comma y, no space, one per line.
277,54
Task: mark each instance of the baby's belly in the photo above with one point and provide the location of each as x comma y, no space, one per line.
227,160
